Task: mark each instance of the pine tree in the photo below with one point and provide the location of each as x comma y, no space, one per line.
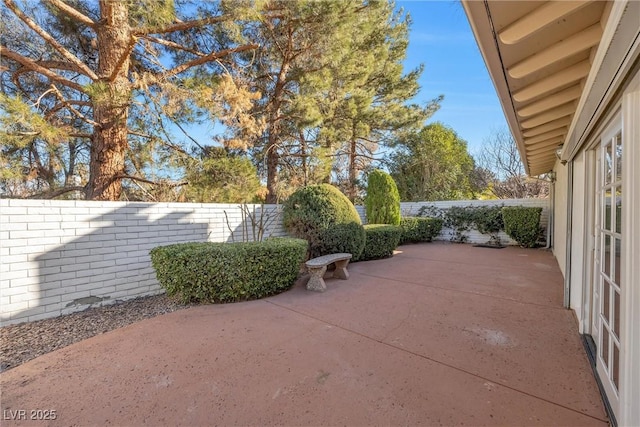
371,93
301,42
105,72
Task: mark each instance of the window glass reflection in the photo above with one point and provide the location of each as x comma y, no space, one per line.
607,210
606,254
616,366
607,164
619,209
618,140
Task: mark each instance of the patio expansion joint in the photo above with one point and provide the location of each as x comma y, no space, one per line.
548,307
439,362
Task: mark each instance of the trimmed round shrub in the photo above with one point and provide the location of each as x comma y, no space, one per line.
382,203
228,272
382,239
522,224
419,229
313,212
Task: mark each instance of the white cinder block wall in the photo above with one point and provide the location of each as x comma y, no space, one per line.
59,256
474,236
63,256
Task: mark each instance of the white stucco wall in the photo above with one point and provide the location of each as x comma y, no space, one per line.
61,256
579,239
560,215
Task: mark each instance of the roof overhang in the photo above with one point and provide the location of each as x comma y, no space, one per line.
542,57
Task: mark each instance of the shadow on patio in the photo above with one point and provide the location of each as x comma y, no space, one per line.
440,334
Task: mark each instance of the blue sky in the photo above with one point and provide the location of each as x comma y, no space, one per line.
442,40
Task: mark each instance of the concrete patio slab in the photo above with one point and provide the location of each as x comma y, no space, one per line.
422,338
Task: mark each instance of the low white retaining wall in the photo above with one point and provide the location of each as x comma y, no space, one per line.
63,256
60,256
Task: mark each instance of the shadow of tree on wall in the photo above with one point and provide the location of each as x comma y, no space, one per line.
111,262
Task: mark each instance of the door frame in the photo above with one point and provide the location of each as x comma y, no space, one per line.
603,365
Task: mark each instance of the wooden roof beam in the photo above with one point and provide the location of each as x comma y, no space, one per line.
551,144
541,156
538,19
549,115
551,101
560,123
579,42
542,166
545,136
549,84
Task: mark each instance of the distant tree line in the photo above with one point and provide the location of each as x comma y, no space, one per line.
99,98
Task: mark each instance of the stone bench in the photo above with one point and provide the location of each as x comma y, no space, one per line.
318,266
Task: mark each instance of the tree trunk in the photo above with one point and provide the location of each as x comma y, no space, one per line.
109,141
353,171
303,153
272,166
273,157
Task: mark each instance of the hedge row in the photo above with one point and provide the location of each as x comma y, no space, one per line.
522,224
381,241
228,272
419,229
341,238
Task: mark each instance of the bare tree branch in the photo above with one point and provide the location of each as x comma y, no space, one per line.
147,181
81,66
33,66
208,58
140,134
56,193
77,113
60,106
174,45
73,13
500,157
187,134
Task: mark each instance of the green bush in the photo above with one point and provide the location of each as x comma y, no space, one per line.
339,238
488,220
382,203
228,272
522,224
419,229
459,219
382,239
313,212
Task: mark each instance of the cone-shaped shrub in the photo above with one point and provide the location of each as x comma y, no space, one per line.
382,203
326,218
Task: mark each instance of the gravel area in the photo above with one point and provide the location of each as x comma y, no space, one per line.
25,341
